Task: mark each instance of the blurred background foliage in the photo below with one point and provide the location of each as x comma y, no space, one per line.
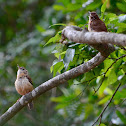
28,37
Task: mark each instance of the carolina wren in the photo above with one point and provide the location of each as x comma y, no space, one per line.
95,24
23,83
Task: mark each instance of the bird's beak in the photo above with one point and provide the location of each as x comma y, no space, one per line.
89,12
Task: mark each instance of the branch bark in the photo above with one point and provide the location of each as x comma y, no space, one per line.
54,82
77,35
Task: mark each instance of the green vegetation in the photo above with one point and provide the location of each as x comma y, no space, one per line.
30,31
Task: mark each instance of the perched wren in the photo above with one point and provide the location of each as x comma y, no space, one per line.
23,83
95,23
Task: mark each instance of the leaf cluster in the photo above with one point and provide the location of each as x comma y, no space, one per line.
78,102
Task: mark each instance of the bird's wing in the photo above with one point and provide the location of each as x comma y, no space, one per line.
30,80
98,26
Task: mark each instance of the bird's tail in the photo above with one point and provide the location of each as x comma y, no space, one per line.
30,105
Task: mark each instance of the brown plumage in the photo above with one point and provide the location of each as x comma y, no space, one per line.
23,83
95,23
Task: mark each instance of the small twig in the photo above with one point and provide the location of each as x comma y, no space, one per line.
100,120
115,62
100,116
94,89
120,104
88,81
81,93
111,58
100,84
108,70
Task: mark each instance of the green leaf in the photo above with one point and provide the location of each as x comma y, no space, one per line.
57,99
68,7
93,5
68,57
40,28
59,24
60,54
107,63
64,101
88,110
60,48
110,17
79,109
120,95
64,2
56,68
104,100
124,58
102,88
121,116
58,7
54,39
109,91
103,8
112,77
124,67
102,124
87,76
123,79
73,7
122,6
60,106
123,25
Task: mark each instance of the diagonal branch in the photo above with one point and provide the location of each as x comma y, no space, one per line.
54,82
78,35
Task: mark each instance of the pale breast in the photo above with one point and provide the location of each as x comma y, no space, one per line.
89,28
23,86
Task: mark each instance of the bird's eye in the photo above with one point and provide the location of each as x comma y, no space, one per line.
92,17
22,68
95,17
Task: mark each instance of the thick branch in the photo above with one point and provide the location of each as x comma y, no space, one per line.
54,82
75,34
79,35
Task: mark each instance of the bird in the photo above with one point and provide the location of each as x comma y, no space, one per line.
95,23
23,83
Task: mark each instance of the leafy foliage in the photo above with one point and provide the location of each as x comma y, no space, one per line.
30,32
110,73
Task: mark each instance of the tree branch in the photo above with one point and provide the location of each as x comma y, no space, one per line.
79,35
54,82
